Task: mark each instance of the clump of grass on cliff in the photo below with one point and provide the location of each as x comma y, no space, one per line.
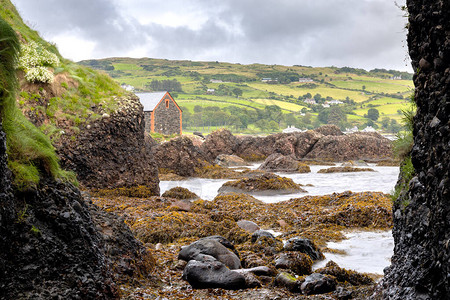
402,150
30,152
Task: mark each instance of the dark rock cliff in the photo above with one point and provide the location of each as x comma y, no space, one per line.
55,245
421,262
112,152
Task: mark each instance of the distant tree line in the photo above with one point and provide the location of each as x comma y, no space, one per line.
165,85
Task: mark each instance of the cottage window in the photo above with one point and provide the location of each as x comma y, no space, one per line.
167,103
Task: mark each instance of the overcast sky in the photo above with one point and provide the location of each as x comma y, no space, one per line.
357,33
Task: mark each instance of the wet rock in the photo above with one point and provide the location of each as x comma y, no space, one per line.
211,273
318,284
297,262
113,153
225,160
303,245
278,162
179,156
343,275
248,225
213,248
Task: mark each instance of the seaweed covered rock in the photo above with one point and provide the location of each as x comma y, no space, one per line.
219,142
355,146
304,246
278,162
112,152
297,262
267,183
343,275
345,170
181,193
180,156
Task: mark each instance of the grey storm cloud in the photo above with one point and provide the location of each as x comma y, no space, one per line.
357,33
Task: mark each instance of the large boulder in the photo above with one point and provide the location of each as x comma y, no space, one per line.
278,162
180,156
112,152
355,146
219,142
208,272
213,248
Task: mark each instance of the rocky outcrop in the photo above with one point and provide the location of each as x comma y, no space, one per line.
266,184
421,263
53,249
180,156
111,152
353,146
219,142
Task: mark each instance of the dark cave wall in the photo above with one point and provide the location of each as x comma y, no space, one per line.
421,262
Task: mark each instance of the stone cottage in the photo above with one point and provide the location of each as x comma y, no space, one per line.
161,113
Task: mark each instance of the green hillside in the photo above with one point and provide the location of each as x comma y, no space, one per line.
56,95
217,94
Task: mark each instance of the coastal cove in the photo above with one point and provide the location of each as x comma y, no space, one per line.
362,251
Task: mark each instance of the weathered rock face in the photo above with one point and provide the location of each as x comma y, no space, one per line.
219,142
52,248
421,262
297,144
351,147
180,156
112,152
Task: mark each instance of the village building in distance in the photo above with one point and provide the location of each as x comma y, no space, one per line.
161,113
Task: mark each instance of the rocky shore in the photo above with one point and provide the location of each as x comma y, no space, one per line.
189,239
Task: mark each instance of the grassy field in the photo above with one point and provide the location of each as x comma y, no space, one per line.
360,89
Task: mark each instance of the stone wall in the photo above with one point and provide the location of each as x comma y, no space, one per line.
148,121
421,262
167,117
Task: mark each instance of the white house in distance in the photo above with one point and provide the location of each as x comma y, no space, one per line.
310,101
305,80
335,102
